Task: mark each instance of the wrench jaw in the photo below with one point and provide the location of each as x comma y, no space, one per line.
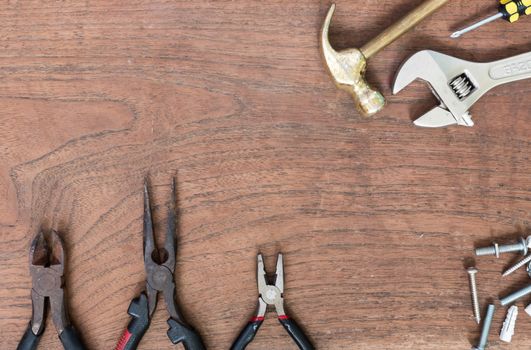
440,117
441,73
412,69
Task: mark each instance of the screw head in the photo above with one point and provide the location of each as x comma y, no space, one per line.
472,270
525,246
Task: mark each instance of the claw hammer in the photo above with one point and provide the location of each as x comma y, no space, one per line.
347,67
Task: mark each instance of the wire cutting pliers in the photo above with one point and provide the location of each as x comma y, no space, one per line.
160,267
46,268
271,295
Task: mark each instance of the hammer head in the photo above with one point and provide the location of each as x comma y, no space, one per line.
347,69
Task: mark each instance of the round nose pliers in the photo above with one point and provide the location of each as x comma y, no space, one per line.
271,294
160,267
46,269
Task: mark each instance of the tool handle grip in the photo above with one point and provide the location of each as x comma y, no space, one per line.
137,327
29,340
71,339
512,10
181,333
247,334
296,333
399,28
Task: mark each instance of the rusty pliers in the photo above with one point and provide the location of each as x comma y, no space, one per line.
160,267
46,269
271,295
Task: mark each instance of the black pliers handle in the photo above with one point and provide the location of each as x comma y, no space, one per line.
137,327
69,337
248,333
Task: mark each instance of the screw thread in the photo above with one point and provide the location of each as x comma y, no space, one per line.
515,296
517,266
497,249
486,328
475,301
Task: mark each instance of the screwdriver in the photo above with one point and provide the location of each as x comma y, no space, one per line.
510,10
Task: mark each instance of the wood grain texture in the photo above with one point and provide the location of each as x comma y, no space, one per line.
375,217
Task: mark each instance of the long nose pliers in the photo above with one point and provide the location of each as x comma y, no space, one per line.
46,269
271,294
160,267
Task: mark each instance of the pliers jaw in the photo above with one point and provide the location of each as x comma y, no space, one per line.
47,251
270,294
159,263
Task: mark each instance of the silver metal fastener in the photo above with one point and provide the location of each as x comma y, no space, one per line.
483,339
511,298
496,249
517,266
472,271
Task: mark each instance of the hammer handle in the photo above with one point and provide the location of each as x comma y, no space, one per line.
396,30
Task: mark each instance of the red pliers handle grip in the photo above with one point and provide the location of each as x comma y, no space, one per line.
137,327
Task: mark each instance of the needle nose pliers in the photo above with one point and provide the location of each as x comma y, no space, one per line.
46,269
160,267
271,295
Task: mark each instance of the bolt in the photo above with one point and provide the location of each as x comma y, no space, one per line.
517,265
474,292
486,328
496,249
515,296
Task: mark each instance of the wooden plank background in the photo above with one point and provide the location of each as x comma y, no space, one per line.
376,218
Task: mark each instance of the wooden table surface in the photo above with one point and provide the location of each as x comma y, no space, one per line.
376,218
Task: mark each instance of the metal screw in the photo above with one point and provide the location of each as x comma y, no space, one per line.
496,249
474,292
517,265
483,339
515,296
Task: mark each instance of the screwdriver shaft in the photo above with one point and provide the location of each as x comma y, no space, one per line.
476,25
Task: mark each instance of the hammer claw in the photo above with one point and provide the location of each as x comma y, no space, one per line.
347,69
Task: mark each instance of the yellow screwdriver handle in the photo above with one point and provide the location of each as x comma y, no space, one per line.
513,9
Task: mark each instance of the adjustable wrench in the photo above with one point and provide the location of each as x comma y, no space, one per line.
458,84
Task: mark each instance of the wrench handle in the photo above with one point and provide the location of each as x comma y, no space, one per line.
399,28
511,69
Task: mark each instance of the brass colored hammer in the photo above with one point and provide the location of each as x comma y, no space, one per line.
347,67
